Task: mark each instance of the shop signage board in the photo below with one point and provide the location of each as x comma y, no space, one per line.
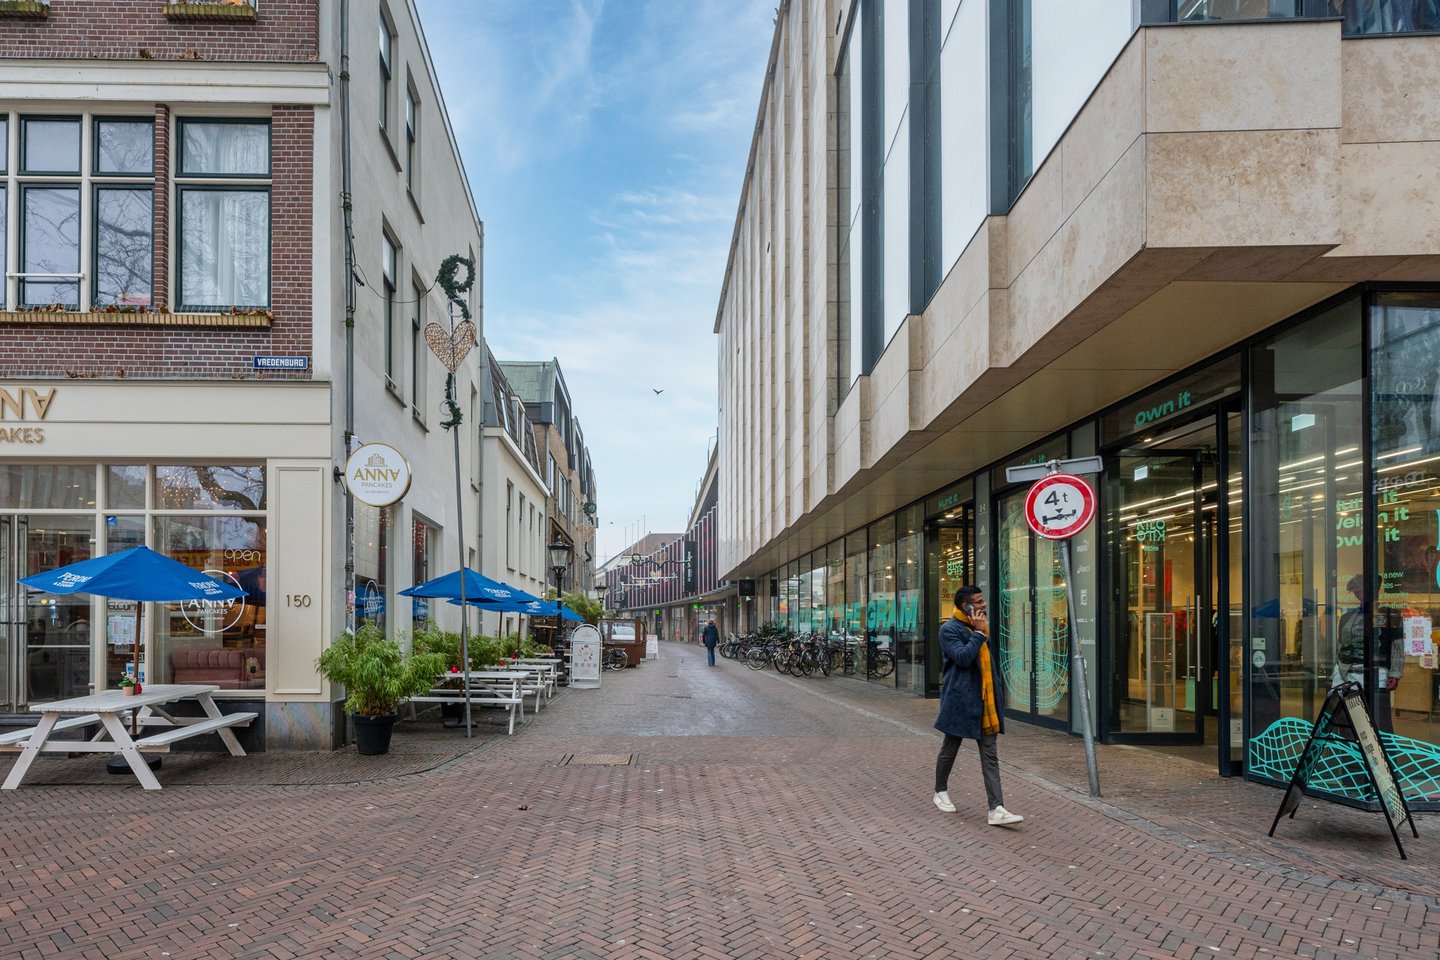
1344,724
1059,506
585,656
377,474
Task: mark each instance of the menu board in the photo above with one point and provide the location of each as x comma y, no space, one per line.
1344,724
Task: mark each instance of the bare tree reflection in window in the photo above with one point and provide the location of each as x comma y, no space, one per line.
124,250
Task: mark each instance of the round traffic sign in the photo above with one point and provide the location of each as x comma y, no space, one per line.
1059,506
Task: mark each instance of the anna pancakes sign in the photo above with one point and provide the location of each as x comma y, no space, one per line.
377,475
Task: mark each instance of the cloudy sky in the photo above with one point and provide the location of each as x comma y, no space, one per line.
606,142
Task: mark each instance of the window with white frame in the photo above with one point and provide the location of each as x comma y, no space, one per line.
83,193
222,193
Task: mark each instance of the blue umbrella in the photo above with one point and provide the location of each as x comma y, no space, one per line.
135,574
138,574
478,588
535,608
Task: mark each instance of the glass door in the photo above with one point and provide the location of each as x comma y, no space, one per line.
12,622
1169,580
44,638
1029,615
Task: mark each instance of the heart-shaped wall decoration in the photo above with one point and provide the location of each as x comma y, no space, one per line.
453,346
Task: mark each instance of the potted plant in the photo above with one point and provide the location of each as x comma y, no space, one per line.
129,685
377,676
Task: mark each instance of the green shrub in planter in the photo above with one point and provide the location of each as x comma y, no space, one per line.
376,673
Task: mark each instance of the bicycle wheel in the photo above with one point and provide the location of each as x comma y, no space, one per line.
883,664
616,659
805,664
826,664
757,658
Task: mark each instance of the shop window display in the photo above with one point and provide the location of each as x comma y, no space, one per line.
1306,521
1402,633
217,642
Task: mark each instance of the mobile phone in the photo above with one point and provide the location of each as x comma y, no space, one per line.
969,609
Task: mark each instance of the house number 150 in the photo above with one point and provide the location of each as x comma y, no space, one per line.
297,599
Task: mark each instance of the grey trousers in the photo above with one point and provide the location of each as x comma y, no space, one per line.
989,767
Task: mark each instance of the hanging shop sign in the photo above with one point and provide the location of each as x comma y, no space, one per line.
1059,506
377,474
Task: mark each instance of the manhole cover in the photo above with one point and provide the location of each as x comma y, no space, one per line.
600,759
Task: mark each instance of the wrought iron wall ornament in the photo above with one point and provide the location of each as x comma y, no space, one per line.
452,346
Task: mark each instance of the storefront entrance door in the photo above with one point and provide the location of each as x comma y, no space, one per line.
1168,500
44,638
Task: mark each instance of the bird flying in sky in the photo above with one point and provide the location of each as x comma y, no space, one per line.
659,391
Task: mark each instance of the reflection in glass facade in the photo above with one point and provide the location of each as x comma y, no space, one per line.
1307,482
1405,477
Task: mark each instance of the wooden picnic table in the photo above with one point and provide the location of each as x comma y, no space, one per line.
113,710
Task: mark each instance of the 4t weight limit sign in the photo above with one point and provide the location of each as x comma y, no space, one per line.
1059,506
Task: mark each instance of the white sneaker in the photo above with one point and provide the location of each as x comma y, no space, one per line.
1000,817
942,800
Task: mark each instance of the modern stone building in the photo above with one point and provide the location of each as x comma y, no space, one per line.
198,200
1197,240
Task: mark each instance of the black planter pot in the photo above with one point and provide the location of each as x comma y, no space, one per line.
372,734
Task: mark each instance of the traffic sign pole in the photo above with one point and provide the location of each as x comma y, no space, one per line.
1077,667
1058,506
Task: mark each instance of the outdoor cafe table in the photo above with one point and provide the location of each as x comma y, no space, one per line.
112,710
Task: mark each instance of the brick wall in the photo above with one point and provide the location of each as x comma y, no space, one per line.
283,31
59,350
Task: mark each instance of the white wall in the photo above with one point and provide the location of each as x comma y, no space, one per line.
964,132
1074,43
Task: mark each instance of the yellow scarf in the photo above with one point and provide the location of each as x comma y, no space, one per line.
989,715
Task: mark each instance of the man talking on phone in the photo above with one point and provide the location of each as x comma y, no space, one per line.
972,702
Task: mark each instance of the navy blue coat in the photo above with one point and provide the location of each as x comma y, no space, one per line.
960,698
711,636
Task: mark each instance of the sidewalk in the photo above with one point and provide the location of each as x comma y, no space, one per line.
681,812
1190,803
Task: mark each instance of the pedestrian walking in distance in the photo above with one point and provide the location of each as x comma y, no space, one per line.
972,702
711,636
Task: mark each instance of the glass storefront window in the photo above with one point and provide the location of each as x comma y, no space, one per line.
125,487
373,543
1405,416
835,590
206,641
1031,618
909,625
47,486
425,539
240,487
852,624
1305,520
880,591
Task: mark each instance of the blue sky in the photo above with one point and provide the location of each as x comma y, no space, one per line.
606,142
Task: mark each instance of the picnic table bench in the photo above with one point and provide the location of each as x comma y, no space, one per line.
488,688
115,711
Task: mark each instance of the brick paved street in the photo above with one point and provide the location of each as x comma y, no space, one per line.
759,816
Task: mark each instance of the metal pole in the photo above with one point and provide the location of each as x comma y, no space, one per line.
460,534
1077,672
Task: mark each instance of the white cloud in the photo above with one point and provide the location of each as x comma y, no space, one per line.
606,142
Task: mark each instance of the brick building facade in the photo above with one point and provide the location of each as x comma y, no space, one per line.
176,365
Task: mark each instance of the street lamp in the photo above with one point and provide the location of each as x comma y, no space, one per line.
600,589
560,551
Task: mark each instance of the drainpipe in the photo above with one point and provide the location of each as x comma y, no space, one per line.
347,206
